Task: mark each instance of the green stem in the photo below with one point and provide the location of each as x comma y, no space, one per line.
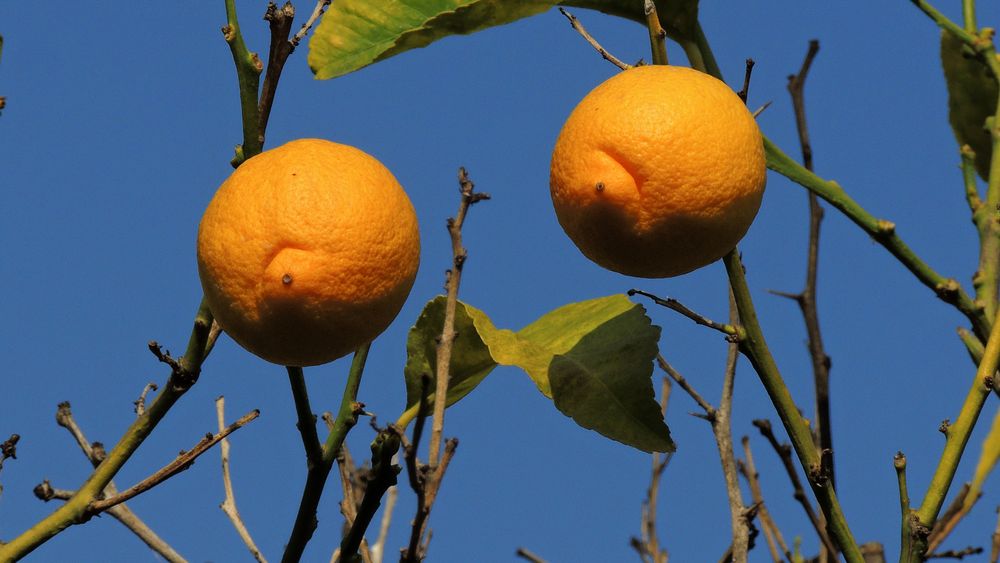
957,437
755,348
306,419
248,69
969,178
657,36
77,509
347,417
969,15
884,232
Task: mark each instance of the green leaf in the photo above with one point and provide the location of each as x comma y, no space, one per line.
972,98
603,382
987,461
470,358
356,33
593,358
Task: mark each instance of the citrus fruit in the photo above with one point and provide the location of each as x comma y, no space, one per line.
308,251
658,171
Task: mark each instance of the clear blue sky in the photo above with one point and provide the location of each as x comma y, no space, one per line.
120,124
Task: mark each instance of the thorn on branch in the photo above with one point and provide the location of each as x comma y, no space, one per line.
746,81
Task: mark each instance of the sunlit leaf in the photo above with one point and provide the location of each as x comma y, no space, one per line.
604,382
356,33
470,358
593,358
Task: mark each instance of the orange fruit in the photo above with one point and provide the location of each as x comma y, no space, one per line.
307,251
658,171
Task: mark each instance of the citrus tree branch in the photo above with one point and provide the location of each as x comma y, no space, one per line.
179,464
957,437
648,543
754,347
775,540
316,476
306,422
184,373
248,69
657,35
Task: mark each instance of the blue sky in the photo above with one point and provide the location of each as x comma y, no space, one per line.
120,124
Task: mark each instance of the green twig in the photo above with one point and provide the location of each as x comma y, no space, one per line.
969,178
347,417
306,419
657,35
184,373
957,436
884,232
248,69
754,347
969,15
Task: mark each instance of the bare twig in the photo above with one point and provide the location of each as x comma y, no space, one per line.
426,480
648,544
745,92
140,403
124,515
784,452
683,382
775,540
229,504
528,556
321,6
95,453
179,464
729,330
955,553
740,516
378,548
593,42
280,22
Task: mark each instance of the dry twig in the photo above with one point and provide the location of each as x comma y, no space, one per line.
528,556
648,544
426,479
229,504
593,42
775,540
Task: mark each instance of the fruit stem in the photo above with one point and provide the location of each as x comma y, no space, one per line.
754,347
248,69
657,35
316,477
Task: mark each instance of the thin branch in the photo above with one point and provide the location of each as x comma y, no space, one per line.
229,504
593,42
657,35
124,515
306,420
744,93
729,330
140,403
184,374
740,518
957,436
382,477
321,6
179,464
426,480
378,548
955,553
248,68
648,544
754,346
952,515
280,22
775,539
784,452
685,385
528,556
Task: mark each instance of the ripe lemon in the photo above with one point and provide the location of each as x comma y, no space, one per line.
308,251
658,171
